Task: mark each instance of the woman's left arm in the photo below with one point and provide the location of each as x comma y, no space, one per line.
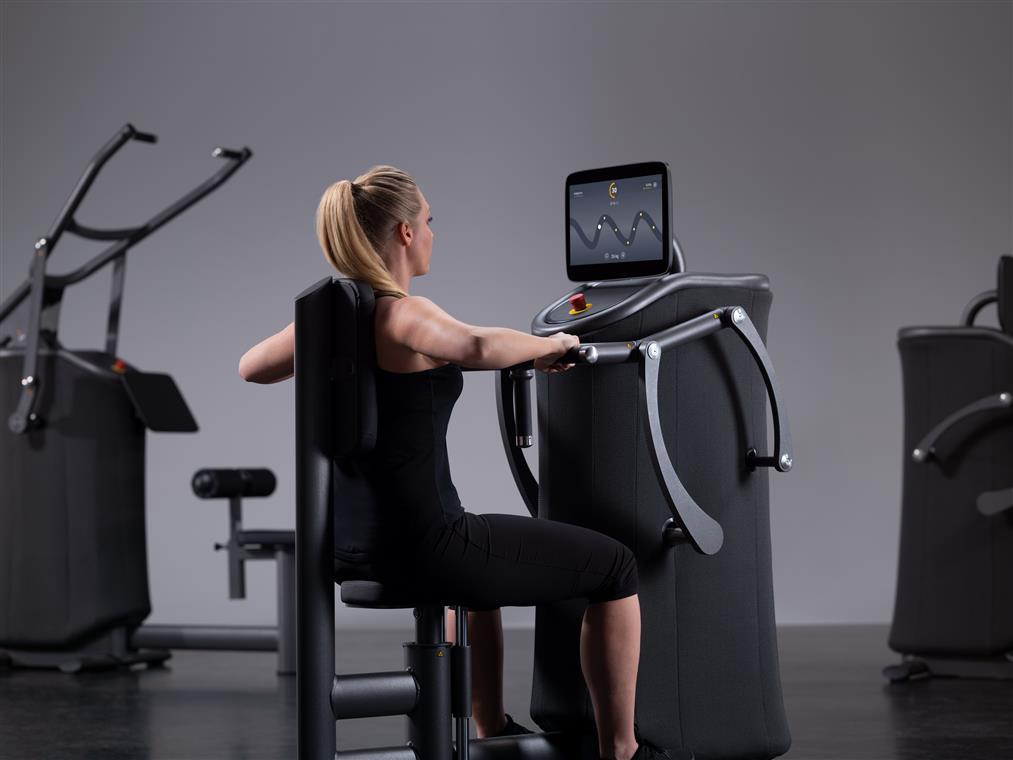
272,360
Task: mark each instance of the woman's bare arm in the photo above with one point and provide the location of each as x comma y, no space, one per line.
272,360
422,326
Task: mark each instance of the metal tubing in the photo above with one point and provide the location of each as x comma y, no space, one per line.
230,637
428,725
460,696
285,559
137,234
690,330
237,566
115,301
372,695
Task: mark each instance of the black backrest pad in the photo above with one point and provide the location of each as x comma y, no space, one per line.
336,412
354,363
1005,293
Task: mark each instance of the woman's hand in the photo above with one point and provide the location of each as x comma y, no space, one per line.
563,343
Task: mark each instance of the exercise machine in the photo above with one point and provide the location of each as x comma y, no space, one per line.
74,584
658,437
953,614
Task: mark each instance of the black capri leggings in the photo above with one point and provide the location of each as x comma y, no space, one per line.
487,561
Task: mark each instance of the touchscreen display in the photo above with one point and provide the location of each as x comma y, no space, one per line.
616,221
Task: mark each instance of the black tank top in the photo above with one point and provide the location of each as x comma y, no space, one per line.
412,475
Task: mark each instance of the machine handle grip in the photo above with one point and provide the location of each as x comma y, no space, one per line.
232,155
995,502
976,304
523,435
930,447
145,137
507,411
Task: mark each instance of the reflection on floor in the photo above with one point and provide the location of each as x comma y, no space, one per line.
232,706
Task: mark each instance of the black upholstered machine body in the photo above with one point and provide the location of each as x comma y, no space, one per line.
709,681
73,554
954,602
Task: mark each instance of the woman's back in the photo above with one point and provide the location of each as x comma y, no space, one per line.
411,466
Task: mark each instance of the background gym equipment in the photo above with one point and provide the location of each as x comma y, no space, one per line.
954,607
72,455
660,431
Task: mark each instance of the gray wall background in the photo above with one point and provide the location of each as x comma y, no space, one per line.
860,154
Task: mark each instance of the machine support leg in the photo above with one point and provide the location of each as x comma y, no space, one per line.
285,560
428,659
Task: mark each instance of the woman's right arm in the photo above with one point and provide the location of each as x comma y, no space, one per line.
272,360
422,326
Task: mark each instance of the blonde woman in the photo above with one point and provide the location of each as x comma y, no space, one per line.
377,229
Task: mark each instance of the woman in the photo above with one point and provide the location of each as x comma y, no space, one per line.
376,229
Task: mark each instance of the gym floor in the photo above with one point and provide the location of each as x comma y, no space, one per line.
231,705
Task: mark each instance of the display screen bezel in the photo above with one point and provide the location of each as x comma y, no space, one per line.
619,271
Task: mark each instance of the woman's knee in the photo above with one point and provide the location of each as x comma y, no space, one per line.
623,581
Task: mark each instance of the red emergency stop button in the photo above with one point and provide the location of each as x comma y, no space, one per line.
578,303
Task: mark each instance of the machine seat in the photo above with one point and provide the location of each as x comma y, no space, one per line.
269,539
372,595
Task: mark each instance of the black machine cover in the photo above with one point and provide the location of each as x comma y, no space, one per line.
955,574
709,678
73,557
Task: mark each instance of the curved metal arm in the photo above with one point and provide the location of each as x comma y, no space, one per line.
506,411
782,460
928,447
690,523
699,528
976,304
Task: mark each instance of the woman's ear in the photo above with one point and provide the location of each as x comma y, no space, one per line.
404,231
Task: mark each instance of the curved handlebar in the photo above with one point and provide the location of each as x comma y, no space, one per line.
689,522
976,304
146,137
929,446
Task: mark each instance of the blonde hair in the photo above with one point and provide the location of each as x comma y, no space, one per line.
355,220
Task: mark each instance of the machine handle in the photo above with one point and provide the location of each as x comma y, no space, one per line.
689,522
976,304
231,155
145,137
507,413
41,288
995,502
930,446
523,436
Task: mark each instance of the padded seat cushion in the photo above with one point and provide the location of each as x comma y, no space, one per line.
267,537
378,596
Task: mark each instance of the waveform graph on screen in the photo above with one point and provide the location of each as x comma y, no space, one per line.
619,240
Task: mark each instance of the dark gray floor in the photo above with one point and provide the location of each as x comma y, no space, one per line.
231,705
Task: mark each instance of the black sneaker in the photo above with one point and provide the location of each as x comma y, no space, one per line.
513,729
